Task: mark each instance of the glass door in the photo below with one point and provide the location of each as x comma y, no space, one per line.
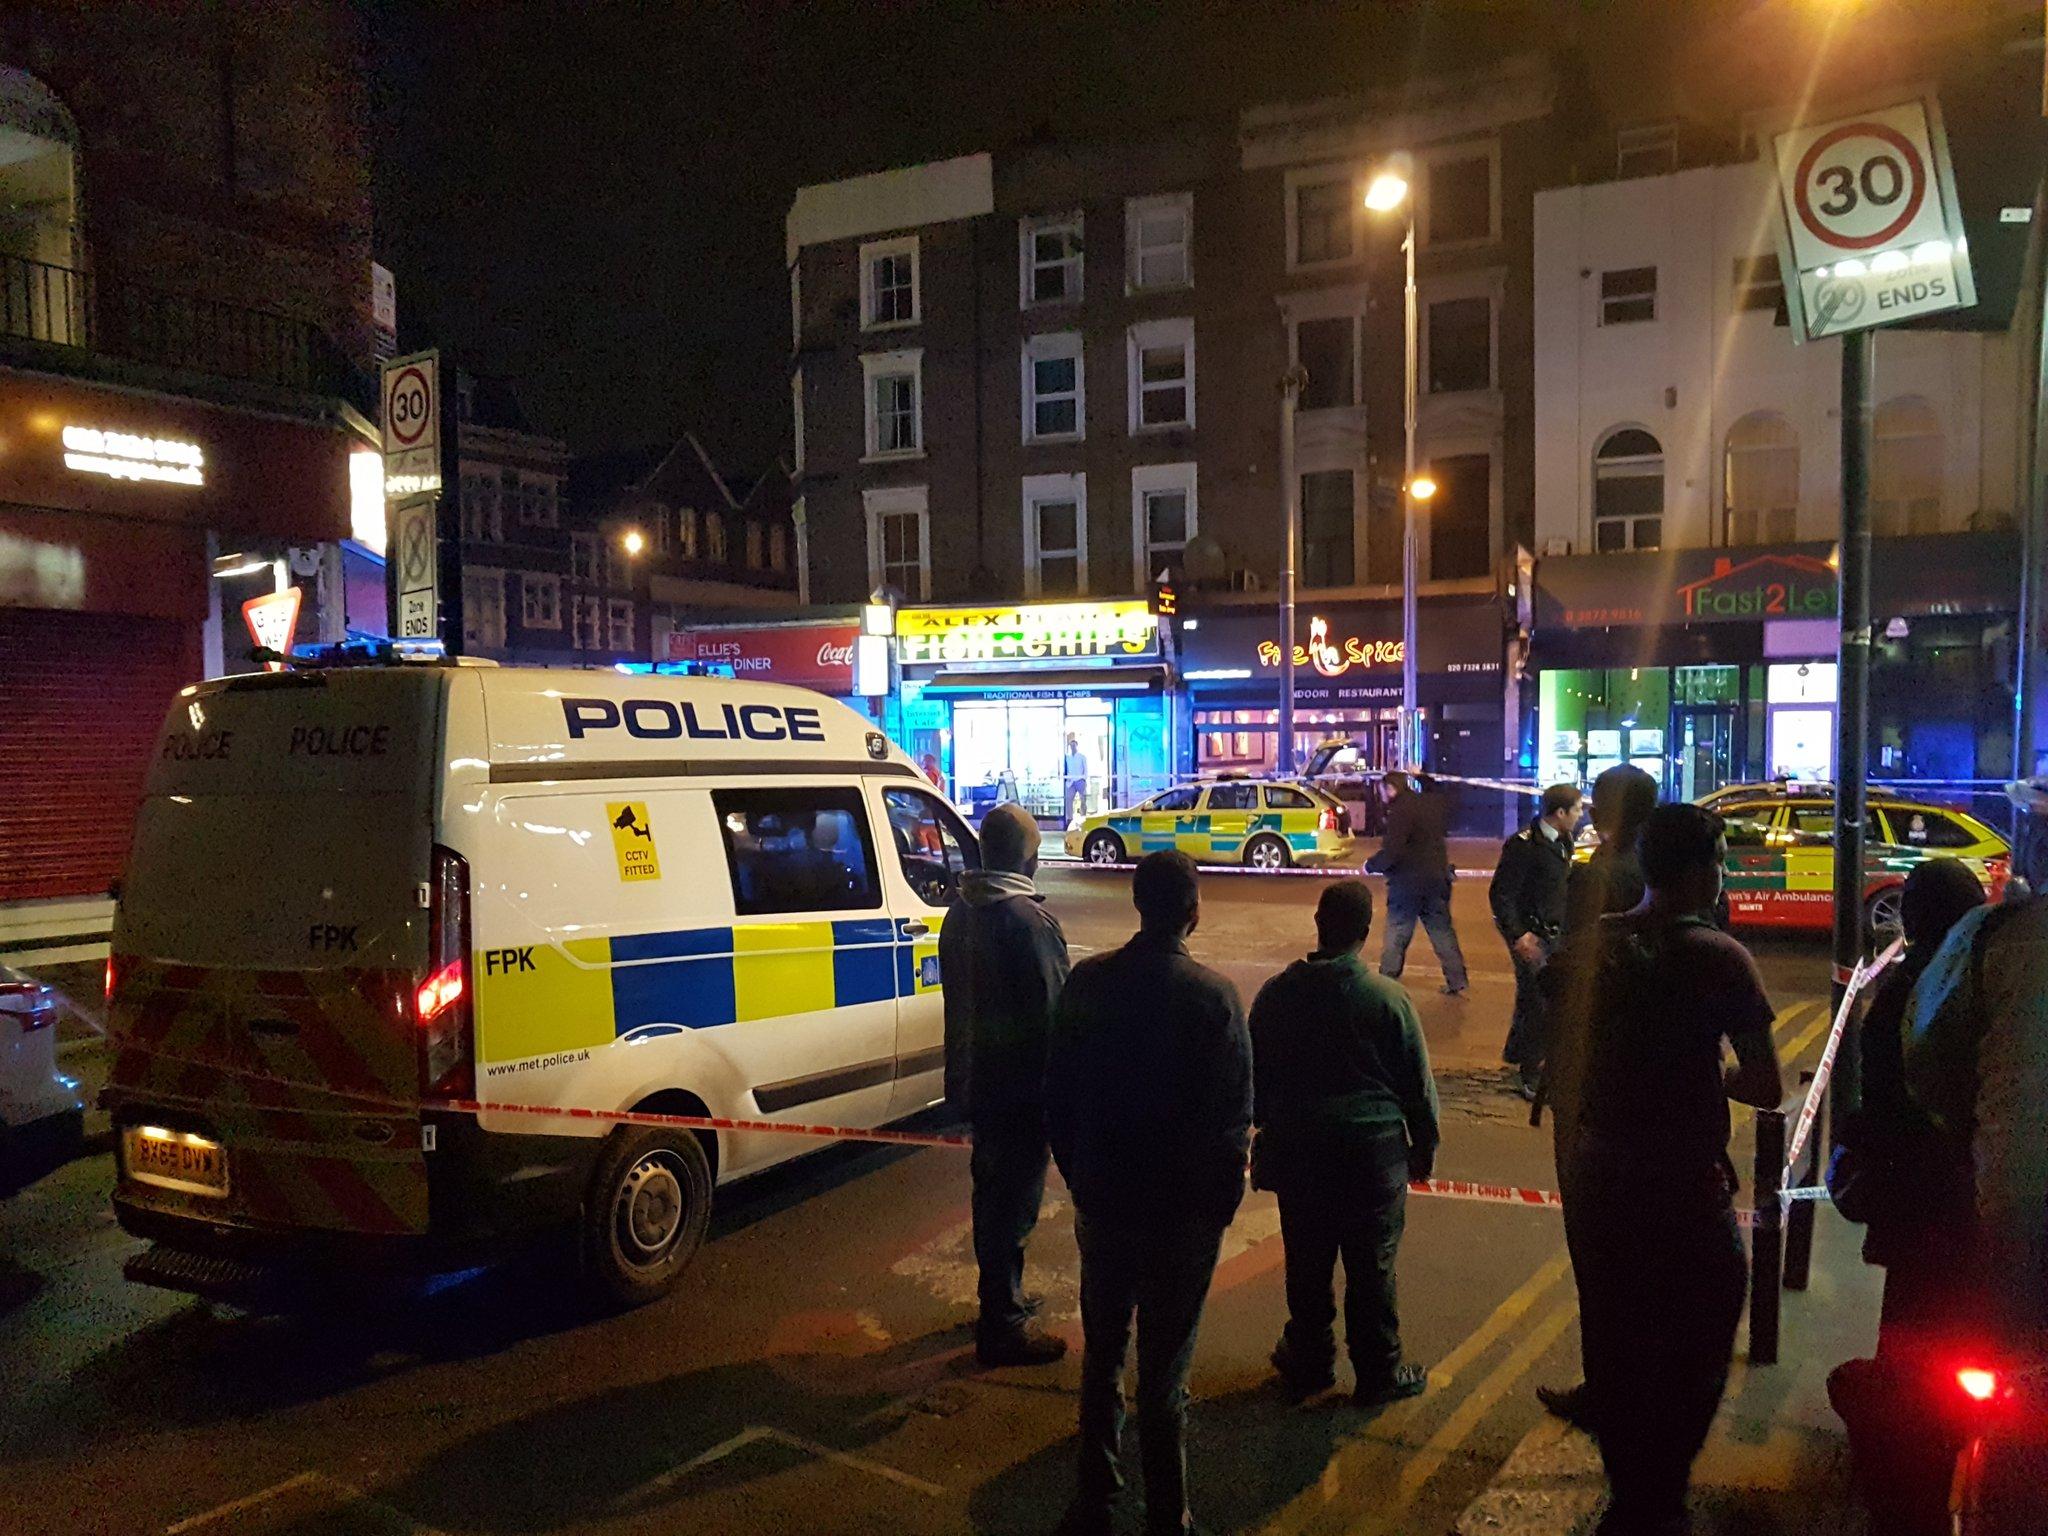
1703,756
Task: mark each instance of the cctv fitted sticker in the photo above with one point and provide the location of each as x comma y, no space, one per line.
633,839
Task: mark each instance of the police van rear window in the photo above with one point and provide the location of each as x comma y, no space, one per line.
797,850
367,732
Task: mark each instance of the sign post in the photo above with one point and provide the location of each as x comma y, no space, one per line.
1869,234
422,571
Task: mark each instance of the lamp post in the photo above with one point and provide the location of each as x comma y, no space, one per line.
1290,492
1390,188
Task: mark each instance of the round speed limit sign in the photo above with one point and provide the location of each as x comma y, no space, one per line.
1860,186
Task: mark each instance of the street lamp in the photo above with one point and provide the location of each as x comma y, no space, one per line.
634,541
1391,188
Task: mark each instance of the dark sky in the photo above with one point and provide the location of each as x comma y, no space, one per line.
589,198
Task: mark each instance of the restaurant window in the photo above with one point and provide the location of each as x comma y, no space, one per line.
1906,468
1327,528
1628,491
1760,481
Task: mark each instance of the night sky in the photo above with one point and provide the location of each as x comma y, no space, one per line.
589,199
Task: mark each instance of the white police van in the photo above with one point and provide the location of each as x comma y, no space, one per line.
359,892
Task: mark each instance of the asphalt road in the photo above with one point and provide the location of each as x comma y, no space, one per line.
815,1372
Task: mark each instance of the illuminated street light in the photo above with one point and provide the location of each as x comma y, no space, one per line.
634,541
1422,488
1388,191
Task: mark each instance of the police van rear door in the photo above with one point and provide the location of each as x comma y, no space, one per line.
270,942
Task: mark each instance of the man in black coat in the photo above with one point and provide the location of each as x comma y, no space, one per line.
1148,1100
1003,960
1527,897
1415,857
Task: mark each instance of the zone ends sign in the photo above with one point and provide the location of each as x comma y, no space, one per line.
1869,231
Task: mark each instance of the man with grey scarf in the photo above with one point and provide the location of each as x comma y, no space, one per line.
1003,960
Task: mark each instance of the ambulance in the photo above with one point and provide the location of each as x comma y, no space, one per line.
358,894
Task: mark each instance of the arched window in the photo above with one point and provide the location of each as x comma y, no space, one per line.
1760,481
1905,469
39,294
714,537
1628,491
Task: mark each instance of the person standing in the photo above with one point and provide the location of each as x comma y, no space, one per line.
1414,855
1609,882
1074,768
1004,960
1527,897
1149,1107
1347,1114
1649,1206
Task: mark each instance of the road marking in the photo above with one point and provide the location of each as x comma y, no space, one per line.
1304,1507
753,1434
247,1501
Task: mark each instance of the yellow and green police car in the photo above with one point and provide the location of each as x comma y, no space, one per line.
1260,823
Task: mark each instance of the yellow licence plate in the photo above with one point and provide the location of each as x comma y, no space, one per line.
176,1160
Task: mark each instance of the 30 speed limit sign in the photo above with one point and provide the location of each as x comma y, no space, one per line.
1870,229
412,426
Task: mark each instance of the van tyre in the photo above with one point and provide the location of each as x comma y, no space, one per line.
1267,852
650,1201
1103,848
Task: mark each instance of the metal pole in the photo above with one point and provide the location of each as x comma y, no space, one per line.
1413,747
2033,508
1290,493
1767,1239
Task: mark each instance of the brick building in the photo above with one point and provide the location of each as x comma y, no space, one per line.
1050,372
184,329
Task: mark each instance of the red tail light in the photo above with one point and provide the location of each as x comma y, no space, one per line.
1327,822
1978,1384
441,1008
112,980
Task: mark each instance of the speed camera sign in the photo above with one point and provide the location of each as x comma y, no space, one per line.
1870,230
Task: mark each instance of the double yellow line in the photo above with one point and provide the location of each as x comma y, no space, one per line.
1796,1033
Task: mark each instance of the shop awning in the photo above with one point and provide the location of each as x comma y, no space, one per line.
1042,680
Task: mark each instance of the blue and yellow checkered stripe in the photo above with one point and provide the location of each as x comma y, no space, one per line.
1196,832
589,992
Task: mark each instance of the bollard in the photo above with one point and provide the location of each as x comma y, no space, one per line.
1767,1240
1799,1219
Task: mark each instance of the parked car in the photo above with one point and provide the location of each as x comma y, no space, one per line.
42,1118
1263,823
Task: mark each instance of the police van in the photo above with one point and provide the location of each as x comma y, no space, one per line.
357,893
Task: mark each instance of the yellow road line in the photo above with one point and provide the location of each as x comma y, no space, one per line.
1424,1464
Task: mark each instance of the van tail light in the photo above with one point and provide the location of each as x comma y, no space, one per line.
441,1004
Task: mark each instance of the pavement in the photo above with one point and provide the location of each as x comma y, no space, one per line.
814,1372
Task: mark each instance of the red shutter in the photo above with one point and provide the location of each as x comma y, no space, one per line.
84,696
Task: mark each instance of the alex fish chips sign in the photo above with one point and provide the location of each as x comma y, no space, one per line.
1044,632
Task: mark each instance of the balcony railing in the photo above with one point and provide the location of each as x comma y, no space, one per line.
63,307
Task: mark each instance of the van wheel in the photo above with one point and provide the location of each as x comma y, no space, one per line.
650,1201
1267,852
1883,918
1103,848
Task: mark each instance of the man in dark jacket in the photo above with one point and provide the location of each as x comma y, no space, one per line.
1527,897
1003,960
1415,857
1347,1115
1149,1105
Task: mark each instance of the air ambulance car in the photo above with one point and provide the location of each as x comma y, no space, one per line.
357,893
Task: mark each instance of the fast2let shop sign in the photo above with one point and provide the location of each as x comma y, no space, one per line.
1869,228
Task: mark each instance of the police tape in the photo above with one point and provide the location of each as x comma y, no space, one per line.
1859,977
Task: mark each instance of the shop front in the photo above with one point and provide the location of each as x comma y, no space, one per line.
1347,684
124,520
1061,707
814,656
1715,667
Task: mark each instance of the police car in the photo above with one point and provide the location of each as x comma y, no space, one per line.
358,894
1265,824
41,1115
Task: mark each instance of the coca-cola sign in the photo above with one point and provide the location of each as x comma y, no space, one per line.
816,656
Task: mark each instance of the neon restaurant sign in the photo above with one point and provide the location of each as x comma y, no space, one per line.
1333,658
1126,631
130,456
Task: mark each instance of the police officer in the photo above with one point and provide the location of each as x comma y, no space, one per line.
1149,1105
1347,1115
1527,897
1004,960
